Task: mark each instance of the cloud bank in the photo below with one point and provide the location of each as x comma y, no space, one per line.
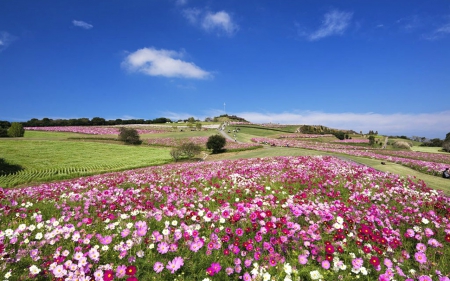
82,24
164,63
335,23
219,22
430,125
5,40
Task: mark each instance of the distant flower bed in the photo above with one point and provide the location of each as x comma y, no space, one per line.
305,136
174,142
90,130
353,141
429,167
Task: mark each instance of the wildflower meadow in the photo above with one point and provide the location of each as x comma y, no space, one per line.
281,218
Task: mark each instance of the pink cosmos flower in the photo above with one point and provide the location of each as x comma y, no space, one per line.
158,267
125,232
163,247
388,263
175,264
247,277
421,247
302,259
420,257
325,264
425,278
120,271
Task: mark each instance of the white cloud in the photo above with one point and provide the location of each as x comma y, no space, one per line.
192,15
440,32
431,125
334,23
163,63
5,40
219,21
82,24
181,2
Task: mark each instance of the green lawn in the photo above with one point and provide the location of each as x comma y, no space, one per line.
428,149
56,159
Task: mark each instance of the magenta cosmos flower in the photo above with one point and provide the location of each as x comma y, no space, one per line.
420,257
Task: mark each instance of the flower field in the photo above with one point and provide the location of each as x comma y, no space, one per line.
90,130
434,164
282,218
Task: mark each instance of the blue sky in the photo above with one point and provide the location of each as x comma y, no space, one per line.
349,64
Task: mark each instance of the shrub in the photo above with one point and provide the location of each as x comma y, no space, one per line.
3,132
129,136
216,143
190,149
402,145
16,130
340,135
176,153
371,140
446,146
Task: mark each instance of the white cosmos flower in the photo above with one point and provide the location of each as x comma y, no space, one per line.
34,270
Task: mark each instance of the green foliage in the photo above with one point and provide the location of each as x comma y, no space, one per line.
216,143
129,136
446,146
190,149
340,135
371,140
176,153
3,132
16,130
433,143
198,126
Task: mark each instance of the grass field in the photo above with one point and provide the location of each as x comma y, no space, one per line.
58,159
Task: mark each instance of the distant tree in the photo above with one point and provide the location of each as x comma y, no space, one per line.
371,140
340,135
447,137
436,142
97,121
216,143
16,130
129,136
176,153
4,125
190,149
209,119
446,146
198,126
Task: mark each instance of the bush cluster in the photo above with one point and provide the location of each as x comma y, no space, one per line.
216,143
188,149
129,136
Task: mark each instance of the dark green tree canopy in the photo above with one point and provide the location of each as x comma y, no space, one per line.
216,143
